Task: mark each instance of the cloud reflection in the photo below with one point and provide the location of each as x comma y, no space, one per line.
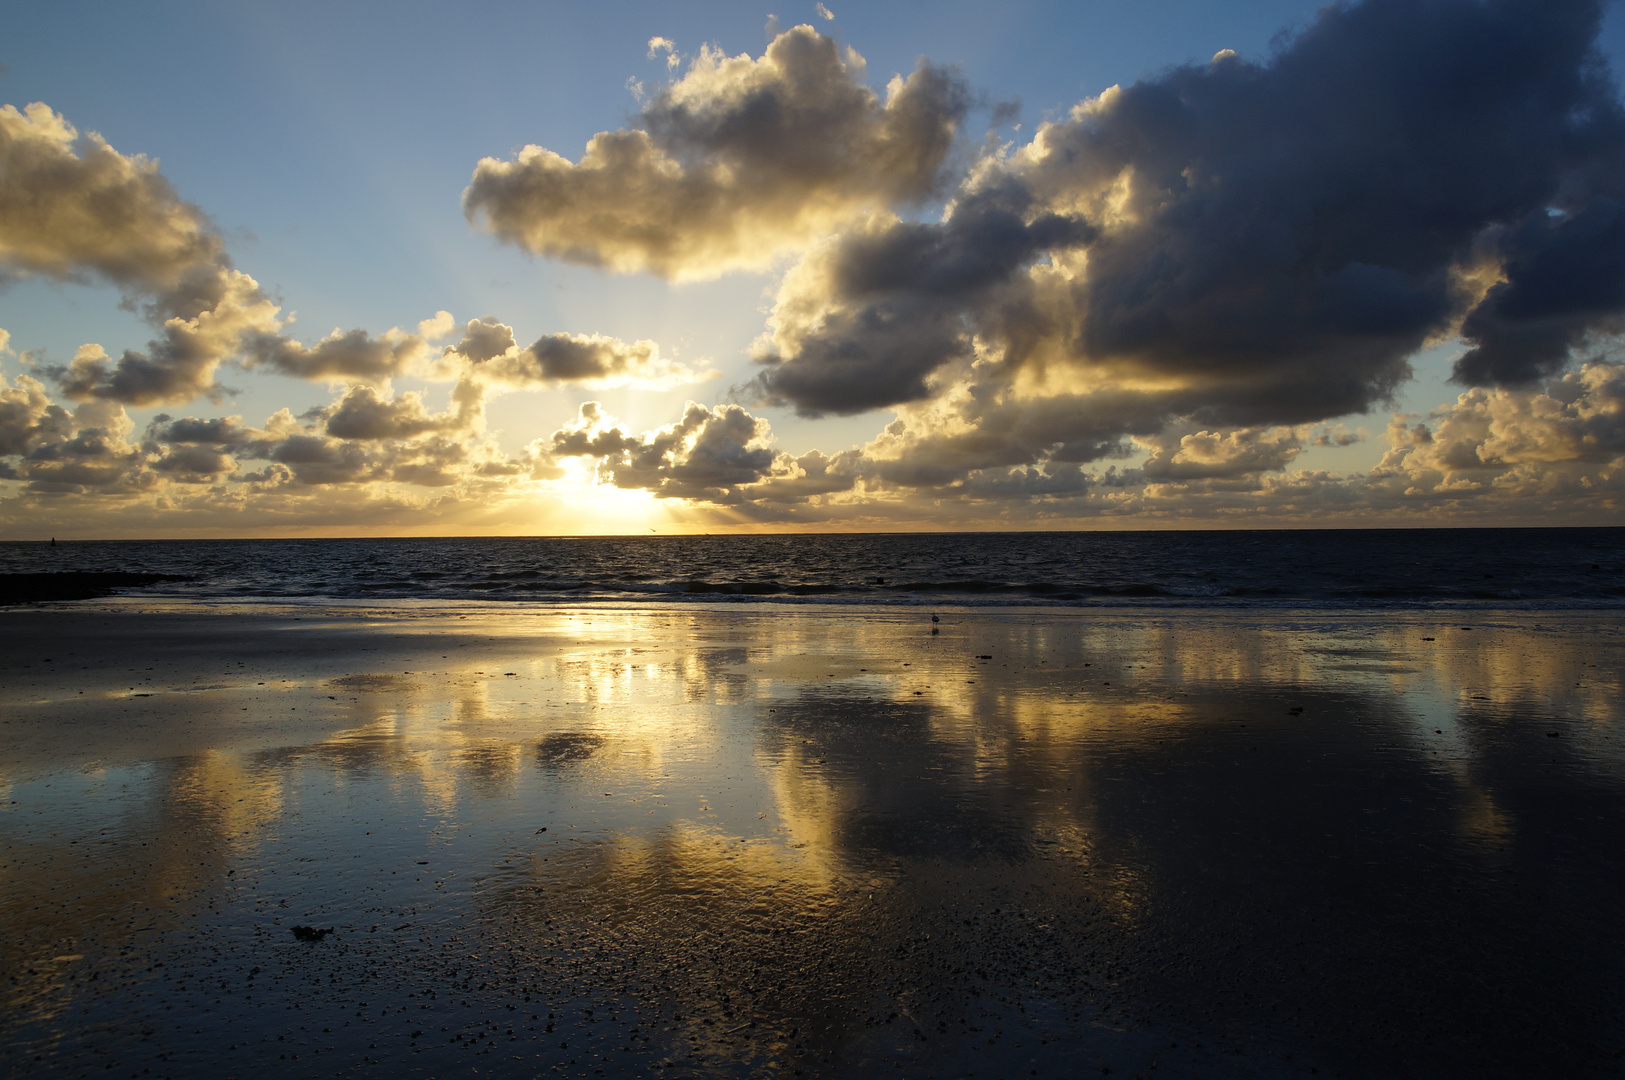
841,842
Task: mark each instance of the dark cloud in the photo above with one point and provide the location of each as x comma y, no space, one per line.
1270,241
95,458
560,358
198,464
492,356
864,322
1004,113
221,431
879,354
362,415
1295,229
736,162
484,339
317,459
28,417
1565,280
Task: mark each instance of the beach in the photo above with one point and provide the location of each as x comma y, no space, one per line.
802,840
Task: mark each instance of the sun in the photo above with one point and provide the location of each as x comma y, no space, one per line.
577,504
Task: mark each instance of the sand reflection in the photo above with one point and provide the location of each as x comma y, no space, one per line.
742,839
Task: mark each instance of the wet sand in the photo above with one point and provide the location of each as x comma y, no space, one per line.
764,840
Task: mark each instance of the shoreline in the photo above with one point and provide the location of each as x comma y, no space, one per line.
433,606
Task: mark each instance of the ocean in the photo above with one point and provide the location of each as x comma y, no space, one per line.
1378,568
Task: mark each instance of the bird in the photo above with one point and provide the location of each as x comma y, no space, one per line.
935,619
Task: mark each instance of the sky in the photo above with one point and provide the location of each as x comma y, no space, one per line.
424,269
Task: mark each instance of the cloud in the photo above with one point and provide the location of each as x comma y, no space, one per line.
1555,452
1206,455
365,438
73,208
658,45
940,444
708,455
29,417
1005,113
865,319
180,363
364,416
220,431
195,464
734,163
362,438
63,213
1564,280
342,355
1339,435
438,326
1294,231
1149,309
94,455
1242,245
494,358
1577,418
809,477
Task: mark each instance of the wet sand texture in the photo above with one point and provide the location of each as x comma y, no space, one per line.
760,841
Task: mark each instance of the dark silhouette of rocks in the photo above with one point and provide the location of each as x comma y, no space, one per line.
73,585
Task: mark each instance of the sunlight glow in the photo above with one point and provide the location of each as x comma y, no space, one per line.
583,506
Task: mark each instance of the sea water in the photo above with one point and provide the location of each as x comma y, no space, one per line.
1375,568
